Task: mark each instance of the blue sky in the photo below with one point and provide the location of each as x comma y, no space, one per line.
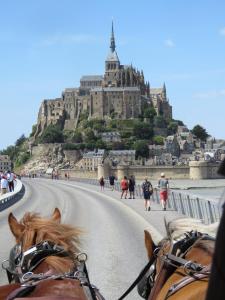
46,46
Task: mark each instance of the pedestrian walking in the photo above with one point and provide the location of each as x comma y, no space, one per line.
147,192
10,178
163,186
124,187
131,186
112,182
102,183
4,185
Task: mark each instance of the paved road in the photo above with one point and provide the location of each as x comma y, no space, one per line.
113,236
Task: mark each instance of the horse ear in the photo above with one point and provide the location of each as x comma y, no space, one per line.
56,215
15,227
167,228
149,244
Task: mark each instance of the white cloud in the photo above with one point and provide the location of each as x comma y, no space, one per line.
68,39
210,94
222,31
169,43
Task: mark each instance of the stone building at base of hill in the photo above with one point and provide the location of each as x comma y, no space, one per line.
5,163
122,93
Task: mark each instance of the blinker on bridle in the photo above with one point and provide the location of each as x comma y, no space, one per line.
182,247
22,262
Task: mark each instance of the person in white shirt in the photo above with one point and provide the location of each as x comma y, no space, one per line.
4,185
10,178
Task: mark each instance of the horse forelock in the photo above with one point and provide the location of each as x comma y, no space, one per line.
177,228
37,229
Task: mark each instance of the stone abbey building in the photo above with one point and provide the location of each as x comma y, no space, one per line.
121,93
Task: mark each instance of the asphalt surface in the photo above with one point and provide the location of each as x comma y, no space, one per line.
113,238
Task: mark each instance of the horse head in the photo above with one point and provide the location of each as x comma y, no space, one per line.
180,263
45,237
45,252
18,229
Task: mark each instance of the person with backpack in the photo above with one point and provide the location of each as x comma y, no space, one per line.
131,186
124,187
112,181
147,192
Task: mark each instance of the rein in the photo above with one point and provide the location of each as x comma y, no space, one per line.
173,259
140,276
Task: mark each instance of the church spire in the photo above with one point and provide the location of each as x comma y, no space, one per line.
112,40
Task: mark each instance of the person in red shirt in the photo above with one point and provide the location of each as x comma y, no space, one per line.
124,187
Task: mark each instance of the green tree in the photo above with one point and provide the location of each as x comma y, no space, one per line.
142,130
20,140
150,113
159,122
52,134
100,144
158,140
90,145
83,116
77,137
141,148
172,127
118,145
200,132
34,128
70,146
11,151
22,158
89,135
179,122
113,124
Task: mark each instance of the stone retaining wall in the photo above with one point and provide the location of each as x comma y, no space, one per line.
195,170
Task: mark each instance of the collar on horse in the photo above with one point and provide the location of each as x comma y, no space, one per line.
146,279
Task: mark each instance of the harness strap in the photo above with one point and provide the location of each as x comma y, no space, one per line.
188,265
20,292
140,276
187,280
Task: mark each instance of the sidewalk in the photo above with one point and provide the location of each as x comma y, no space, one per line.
155,216
186,184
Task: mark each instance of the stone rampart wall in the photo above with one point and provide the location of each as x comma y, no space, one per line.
79,174
196,170
154,172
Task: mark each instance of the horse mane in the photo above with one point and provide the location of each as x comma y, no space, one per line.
38,229
176,228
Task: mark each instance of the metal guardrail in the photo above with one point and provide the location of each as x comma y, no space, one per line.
205,210
9,199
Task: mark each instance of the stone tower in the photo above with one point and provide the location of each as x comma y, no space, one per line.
112,64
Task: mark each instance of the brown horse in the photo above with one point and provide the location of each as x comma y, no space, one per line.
182,262
45,263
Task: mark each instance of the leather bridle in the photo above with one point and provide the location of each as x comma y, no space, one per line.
170,261
22,264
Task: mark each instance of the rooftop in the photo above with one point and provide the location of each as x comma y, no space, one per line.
156,91
115,89
122,152
98,153
112,56
92,78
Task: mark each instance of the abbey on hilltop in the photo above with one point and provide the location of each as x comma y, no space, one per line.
121,94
